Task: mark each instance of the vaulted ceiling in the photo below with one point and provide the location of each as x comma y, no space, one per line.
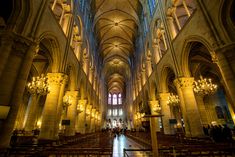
116,24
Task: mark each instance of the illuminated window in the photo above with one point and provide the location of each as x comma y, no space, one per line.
152,5
114,112
114,99
109,112
120,112
110,99
119,99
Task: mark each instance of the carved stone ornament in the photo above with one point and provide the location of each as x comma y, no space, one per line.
56,78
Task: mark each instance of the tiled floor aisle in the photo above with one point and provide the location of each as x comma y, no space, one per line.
124,142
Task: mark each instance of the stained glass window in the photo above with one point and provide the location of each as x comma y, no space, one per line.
114,99
110,99
120,99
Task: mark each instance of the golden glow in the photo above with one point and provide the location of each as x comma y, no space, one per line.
38,85
173,99
39,123
204,86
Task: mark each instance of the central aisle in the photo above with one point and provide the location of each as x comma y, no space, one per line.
121,142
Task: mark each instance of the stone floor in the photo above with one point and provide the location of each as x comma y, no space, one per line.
121,142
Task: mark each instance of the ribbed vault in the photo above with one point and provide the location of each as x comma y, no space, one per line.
116,23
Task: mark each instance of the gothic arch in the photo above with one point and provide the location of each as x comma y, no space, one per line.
184,62
167,74
227,18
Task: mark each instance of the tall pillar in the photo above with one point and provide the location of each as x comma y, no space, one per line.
148,66
5,49
72,112
91,74
156,53
49,115
202,109
189,106
143,77
31,112
172,28
92,125
66,22
153,127
59,107
88,118
78,50
82,116
13,82
168,129
227,74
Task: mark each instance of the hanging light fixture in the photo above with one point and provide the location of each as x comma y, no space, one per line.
38,85
173,99
204,86
157,108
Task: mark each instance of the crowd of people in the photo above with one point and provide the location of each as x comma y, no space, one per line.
218,133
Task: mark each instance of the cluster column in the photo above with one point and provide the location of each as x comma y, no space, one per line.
81,116
50,111
191,116
166,111
72,112
154,126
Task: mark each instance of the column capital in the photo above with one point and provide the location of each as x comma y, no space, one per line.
152,103
82,102
72,94
184,82
154,106
56,78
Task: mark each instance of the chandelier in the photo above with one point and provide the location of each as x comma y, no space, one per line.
38,85
173,99
204,86
157,108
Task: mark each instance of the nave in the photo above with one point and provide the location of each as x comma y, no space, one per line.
130,144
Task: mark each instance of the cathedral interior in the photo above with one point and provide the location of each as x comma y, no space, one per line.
114,78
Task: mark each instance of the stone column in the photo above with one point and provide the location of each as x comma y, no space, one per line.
227,74
143,77
85,65
32,110
13,85
88,119
59,107
148,67
154,127
91,74
78,50
189,106
166,113
92,126
171,25
72,112
82,116
202,109
66,22
49,115
5,49
156,53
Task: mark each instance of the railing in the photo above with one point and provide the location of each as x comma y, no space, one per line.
137,152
